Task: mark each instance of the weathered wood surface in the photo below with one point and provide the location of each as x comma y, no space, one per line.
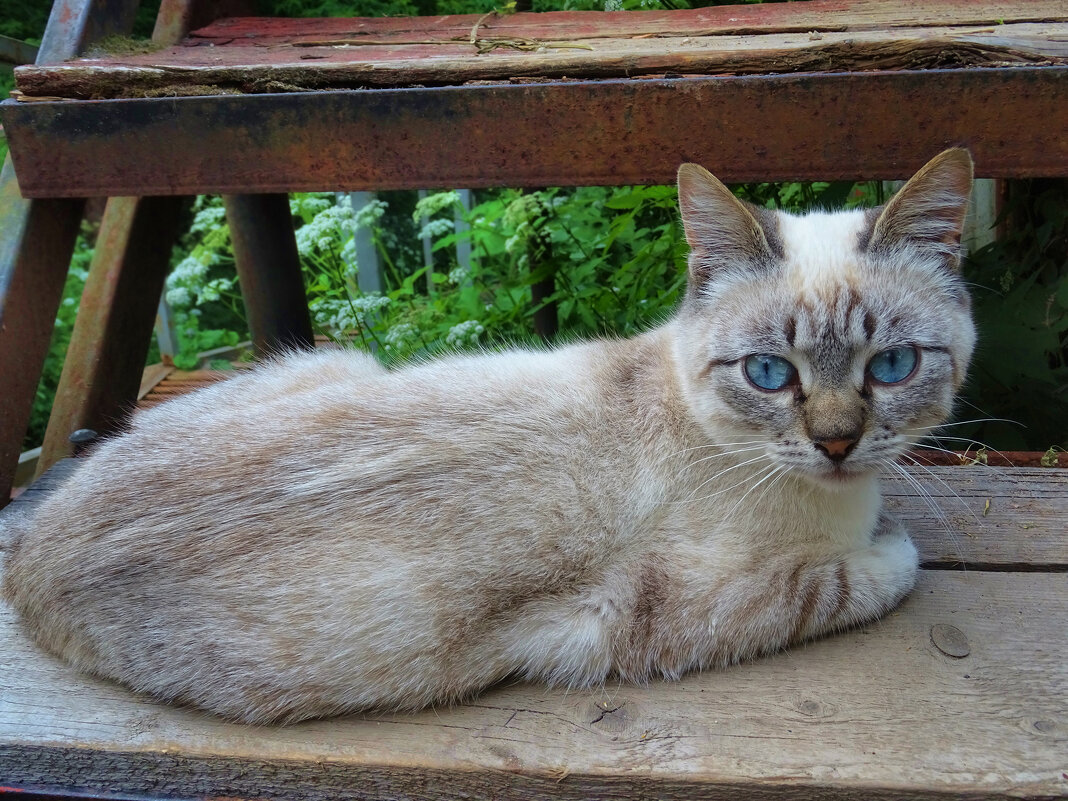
876,713
267,55
985,517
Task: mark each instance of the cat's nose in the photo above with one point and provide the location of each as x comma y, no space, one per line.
837,449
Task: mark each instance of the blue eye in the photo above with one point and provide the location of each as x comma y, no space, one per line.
893,365
769,372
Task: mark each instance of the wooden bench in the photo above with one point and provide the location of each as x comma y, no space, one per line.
962,692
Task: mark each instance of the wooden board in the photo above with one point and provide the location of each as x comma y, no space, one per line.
264,55
985,517
876,713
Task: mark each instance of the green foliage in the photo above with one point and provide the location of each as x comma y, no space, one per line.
1020,288
202,287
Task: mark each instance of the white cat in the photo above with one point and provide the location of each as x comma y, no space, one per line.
322,535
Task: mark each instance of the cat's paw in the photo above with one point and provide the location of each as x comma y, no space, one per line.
893,562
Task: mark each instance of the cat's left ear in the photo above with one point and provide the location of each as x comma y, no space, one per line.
928,212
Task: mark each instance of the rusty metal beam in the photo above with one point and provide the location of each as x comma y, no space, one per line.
265,250
102,370
36,242
784,127
74,25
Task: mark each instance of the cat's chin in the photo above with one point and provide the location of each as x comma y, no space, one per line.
838,478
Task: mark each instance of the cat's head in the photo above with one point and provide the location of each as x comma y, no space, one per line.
836,338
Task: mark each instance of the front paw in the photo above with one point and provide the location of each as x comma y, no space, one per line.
893,561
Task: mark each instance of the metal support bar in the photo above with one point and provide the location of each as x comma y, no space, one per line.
102,370
268,266
36,242
592,132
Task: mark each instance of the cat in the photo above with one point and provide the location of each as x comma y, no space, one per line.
323,535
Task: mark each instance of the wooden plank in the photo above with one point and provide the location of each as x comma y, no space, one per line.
243,67
589,133
985,517
151,376
815,15
876,713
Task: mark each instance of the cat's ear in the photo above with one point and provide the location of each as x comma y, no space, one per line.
928,212
723,234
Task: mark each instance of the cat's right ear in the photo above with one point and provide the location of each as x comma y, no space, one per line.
927,213
723,234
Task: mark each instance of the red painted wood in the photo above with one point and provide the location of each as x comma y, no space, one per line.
813,15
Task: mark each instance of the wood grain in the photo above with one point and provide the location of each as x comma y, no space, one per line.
249,66
985,517
875,713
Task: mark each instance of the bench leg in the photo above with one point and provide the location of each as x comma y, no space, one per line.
112,332
36,243
268,266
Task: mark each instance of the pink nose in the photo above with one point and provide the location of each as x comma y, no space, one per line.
837,449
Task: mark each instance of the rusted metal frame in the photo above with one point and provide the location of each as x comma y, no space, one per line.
816,126
102,369
15,51
36,242
74,25
268,266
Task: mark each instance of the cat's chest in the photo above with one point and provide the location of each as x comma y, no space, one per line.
791,513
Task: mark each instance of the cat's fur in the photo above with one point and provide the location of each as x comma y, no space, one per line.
322,535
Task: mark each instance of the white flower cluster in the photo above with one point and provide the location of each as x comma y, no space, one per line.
301,205
333,224
435,228
518,240
613,5
340,315
432,204
464,334
187,285
398,336
458,275
521,210
371,213
207,219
